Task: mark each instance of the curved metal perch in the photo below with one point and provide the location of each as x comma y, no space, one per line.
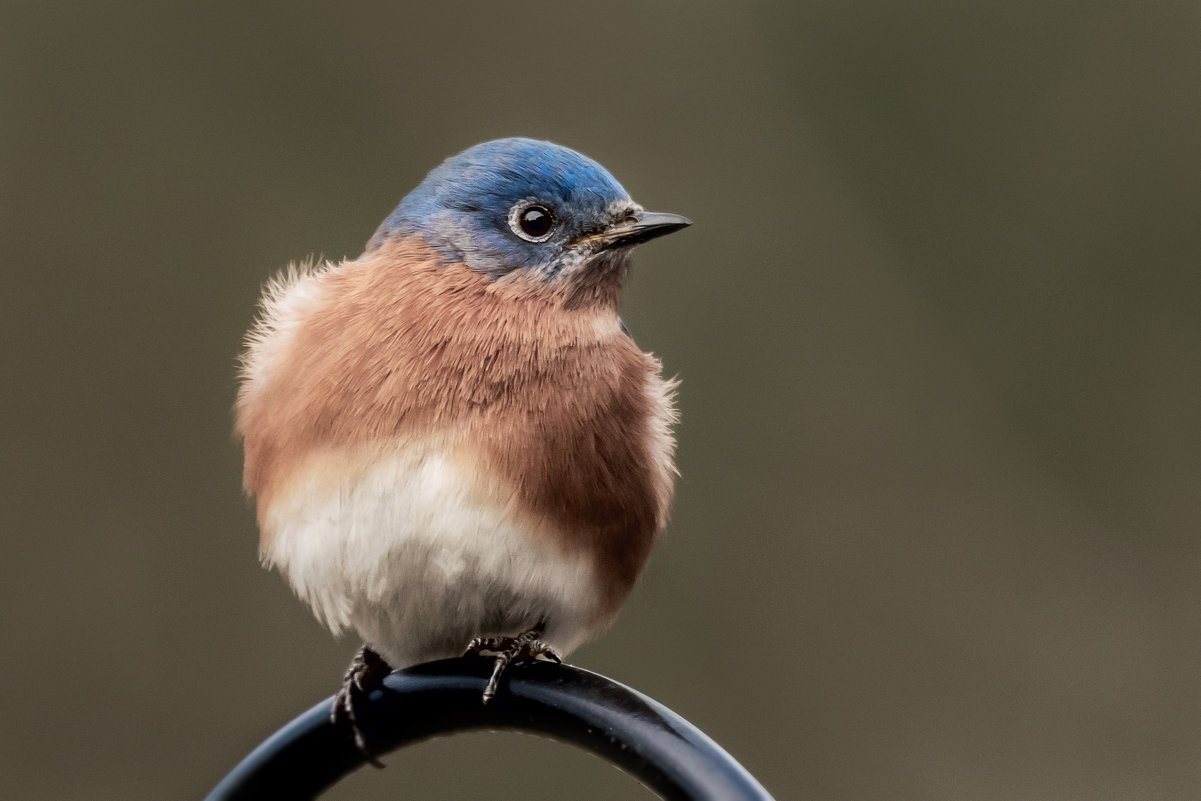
621,725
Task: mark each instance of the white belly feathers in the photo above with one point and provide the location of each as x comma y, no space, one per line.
411,550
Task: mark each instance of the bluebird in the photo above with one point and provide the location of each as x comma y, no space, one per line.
452,440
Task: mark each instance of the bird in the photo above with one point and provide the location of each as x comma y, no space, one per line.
452,443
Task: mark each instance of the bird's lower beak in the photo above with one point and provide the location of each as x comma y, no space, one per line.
639,227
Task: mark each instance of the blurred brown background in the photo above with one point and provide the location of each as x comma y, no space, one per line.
938,324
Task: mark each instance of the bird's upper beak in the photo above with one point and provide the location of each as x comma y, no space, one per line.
639,227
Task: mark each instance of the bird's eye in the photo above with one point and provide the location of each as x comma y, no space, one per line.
532,221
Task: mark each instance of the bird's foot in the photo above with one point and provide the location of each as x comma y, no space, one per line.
365,674
525,647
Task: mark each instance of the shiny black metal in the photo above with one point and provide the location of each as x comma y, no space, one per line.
621,725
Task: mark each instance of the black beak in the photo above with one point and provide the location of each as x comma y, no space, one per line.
639,227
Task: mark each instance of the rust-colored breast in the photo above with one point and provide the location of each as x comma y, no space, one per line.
560,412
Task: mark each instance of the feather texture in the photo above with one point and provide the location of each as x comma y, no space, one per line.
436,455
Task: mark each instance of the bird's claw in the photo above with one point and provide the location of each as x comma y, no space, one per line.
479,644
525,647
366,672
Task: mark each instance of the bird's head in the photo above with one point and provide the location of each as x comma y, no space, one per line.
515,205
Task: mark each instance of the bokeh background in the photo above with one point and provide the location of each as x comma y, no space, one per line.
938,325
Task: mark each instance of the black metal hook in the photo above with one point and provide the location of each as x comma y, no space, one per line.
621,725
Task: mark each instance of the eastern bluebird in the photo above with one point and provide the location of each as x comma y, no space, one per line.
452,440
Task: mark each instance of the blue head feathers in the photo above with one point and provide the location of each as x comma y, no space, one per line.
516,204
